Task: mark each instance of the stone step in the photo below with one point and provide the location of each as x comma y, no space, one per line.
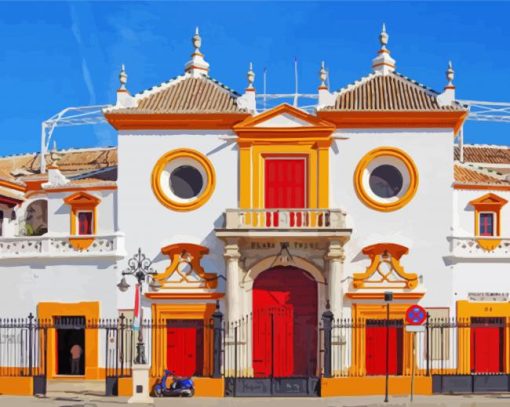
76,386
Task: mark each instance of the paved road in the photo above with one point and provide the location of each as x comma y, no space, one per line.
70,400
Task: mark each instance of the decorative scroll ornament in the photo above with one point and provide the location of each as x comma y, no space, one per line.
185,270
385,270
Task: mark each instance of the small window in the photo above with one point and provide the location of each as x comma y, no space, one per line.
85,220
486,225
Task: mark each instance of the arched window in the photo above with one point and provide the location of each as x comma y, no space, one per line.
36,218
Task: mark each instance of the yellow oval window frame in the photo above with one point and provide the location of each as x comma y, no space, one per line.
411,169
199,200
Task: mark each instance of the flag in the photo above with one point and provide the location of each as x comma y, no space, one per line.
136,316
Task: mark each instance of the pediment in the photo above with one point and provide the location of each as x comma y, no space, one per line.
488,199
283,117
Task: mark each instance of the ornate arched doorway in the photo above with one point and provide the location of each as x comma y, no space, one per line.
284,323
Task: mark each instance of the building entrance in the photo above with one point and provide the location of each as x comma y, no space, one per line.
376,333
487,345
70,345
285,323
185,347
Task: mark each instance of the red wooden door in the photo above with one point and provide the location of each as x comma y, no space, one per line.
285,187
184,347
284,323
487,345
375,347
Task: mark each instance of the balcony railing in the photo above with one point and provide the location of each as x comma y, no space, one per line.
279,219
60,246
469,247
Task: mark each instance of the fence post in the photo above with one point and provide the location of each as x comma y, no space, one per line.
217,318
30,343
327,323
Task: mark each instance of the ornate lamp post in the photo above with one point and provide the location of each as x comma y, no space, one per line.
139,266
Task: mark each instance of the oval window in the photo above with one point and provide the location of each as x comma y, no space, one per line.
183,179
386,179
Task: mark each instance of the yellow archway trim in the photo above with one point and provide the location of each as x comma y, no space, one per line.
411,169
48,311
183,153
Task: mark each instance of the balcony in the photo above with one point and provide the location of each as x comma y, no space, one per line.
48,246
282,222
470,248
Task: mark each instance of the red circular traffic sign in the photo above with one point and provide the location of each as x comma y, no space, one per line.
416,315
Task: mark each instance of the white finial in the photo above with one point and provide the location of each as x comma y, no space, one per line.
383,63
450,75
251,77
123,77
197,40
323,75
384,37
197,66
448,96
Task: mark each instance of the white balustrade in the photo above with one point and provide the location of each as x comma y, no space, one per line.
60,246
468,247
285,219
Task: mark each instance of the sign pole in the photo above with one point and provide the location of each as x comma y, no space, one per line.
413,364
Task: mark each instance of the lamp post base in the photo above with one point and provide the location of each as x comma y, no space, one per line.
141,391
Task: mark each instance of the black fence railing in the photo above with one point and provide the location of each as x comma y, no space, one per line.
273,344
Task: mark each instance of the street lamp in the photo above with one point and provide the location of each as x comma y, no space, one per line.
139,266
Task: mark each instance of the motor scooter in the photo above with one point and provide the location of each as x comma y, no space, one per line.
180,386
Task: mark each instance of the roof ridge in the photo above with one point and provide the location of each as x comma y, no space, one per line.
63,150
500,146
177,79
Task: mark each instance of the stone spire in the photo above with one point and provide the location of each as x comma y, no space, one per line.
124,98
323,75
326,98
123,78
197,66
450,75
448,96
251,78
383,62
247,100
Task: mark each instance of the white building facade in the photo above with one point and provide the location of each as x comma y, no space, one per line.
275,217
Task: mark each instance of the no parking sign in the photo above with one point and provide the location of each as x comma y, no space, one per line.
416,315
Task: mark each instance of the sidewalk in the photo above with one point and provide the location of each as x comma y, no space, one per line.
71,400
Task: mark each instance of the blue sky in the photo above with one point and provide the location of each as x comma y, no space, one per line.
59,54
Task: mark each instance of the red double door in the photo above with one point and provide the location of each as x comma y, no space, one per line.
284,187
284,323
487,345
185,347
375,346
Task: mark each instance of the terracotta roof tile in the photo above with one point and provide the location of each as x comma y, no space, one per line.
486,154
185,94
72,163
465,174
394,91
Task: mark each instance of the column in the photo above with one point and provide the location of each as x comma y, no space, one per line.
232,294
335,257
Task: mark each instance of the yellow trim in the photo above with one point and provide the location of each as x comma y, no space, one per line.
376,254
374,385
16,386
89,310
183,153
411,169
488,203
467,310
82,202
361,313
311,142
163,312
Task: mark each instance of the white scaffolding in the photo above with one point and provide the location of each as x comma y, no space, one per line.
93,115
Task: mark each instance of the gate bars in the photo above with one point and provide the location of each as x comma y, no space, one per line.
447,347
